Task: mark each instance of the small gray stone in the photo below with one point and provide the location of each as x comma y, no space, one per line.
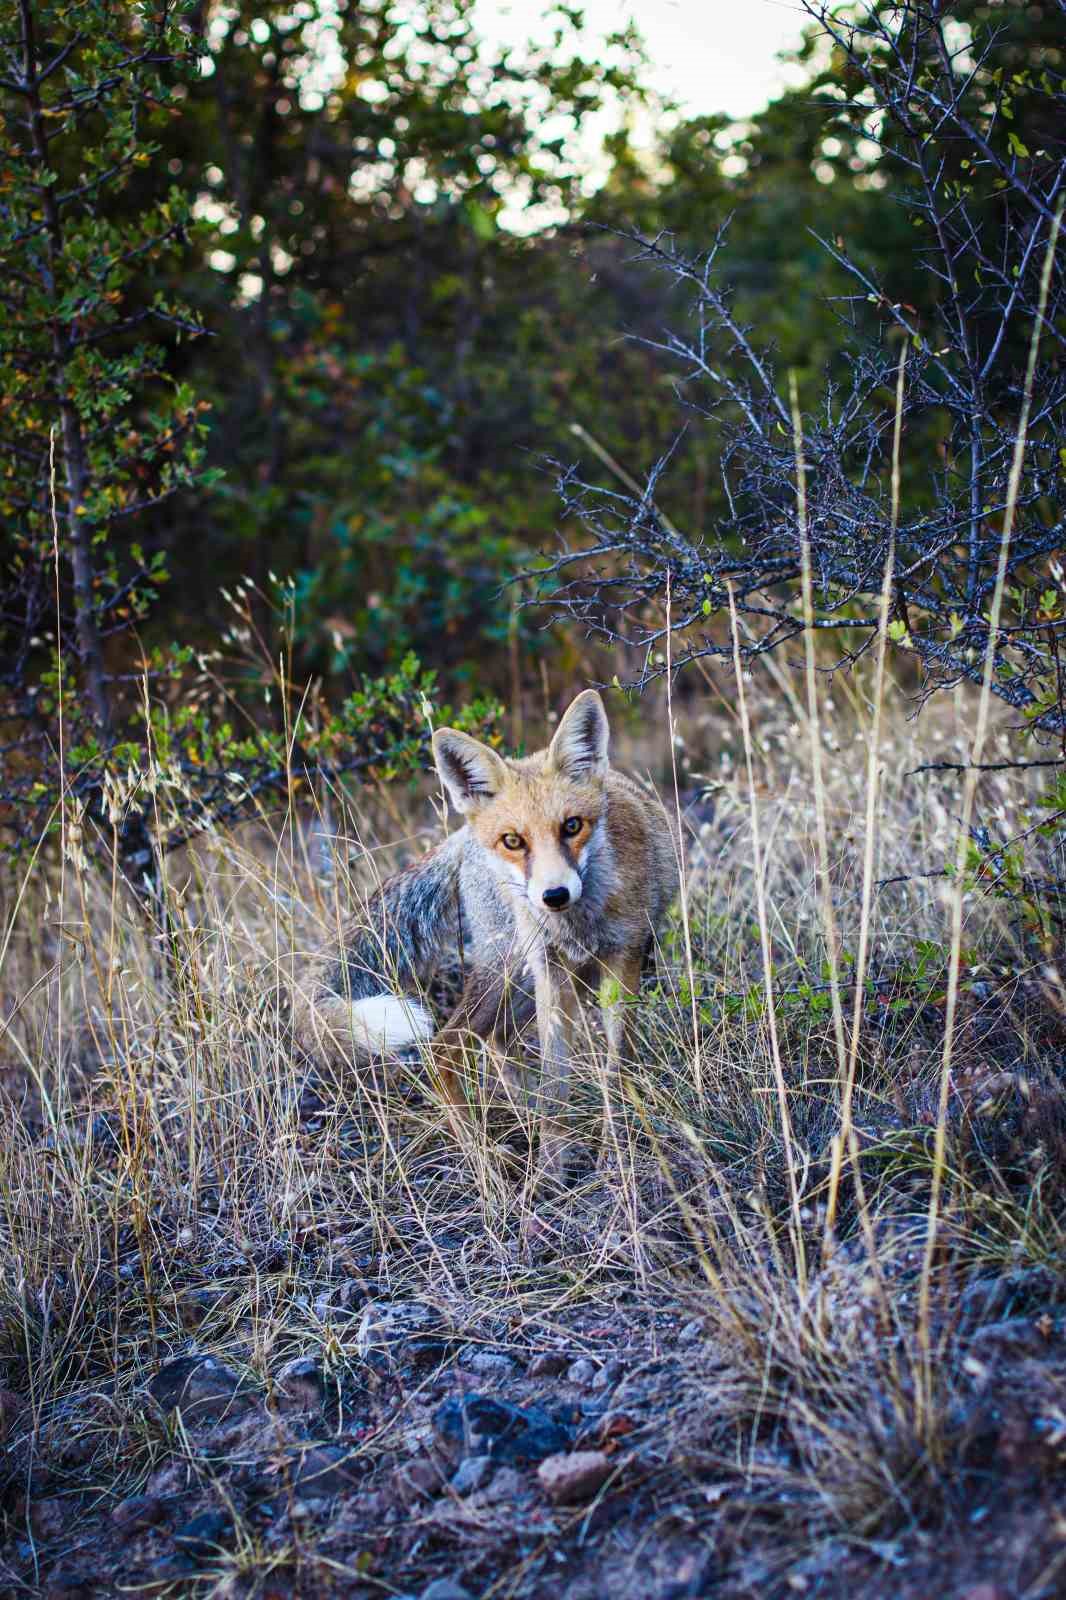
582,1371
1016,1337
194,1305
506,1484
473,1473
339,1300
171,1569
199,1387
139,1511
205,1534
168,1481
607,1376
419,1480
690,1332
483,1425
310,1509
299,1385
488,1364
387,1325
445,1589
253,1431
325,1469
1024,1287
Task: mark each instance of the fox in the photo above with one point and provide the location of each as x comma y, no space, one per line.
555,887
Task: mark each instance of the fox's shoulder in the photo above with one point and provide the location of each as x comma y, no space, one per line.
641,830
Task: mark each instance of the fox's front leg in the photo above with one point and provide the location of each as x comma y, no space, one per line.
557,1009
619,988
492,1008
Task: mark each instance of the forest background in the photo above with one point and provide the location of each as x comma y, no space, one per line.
360,381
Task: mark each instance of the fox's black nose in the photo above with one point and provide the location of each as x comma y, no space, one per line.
556,898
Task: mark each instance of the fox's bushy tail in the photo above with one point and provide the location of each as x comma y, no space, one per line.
360,1005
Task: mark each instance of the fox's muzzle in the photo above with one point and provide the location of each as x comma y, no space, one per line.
557,885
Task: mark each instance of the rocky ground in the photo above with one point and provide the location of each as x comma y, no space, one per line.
265,1335
415,1449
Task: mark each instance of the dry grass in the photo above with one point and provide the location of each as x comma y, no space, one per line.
176,1176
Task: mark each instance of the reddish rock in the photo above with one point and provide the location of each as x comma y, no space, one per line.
575,1475
614,1425
419,1480
549,1364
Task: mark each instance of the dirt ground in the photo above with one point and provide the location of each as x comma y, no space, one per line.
398,1444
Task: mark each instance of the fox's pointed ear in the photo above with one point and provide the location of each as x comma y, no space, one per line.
579,748
469,770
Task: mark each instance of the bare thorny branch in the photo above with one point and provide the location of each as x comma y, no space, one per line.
935,114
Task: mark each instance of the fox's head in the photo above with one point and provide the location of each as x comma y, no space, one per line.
539,818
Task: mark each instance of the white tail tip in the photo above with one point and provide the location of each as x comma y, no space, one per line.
384,1024
380,1025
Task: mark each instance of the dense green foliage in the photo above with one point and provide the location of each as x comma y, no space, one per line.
385,349
88,397
141,741
389,360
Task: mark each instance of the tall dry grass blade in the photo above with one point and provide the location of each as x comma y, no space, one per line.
845,1134
61,944
814,728
708,1258
690,969
767,955
957,890
57,970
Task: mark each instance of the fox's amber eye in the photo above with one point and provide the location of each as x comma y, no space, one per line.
513,841
572,826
